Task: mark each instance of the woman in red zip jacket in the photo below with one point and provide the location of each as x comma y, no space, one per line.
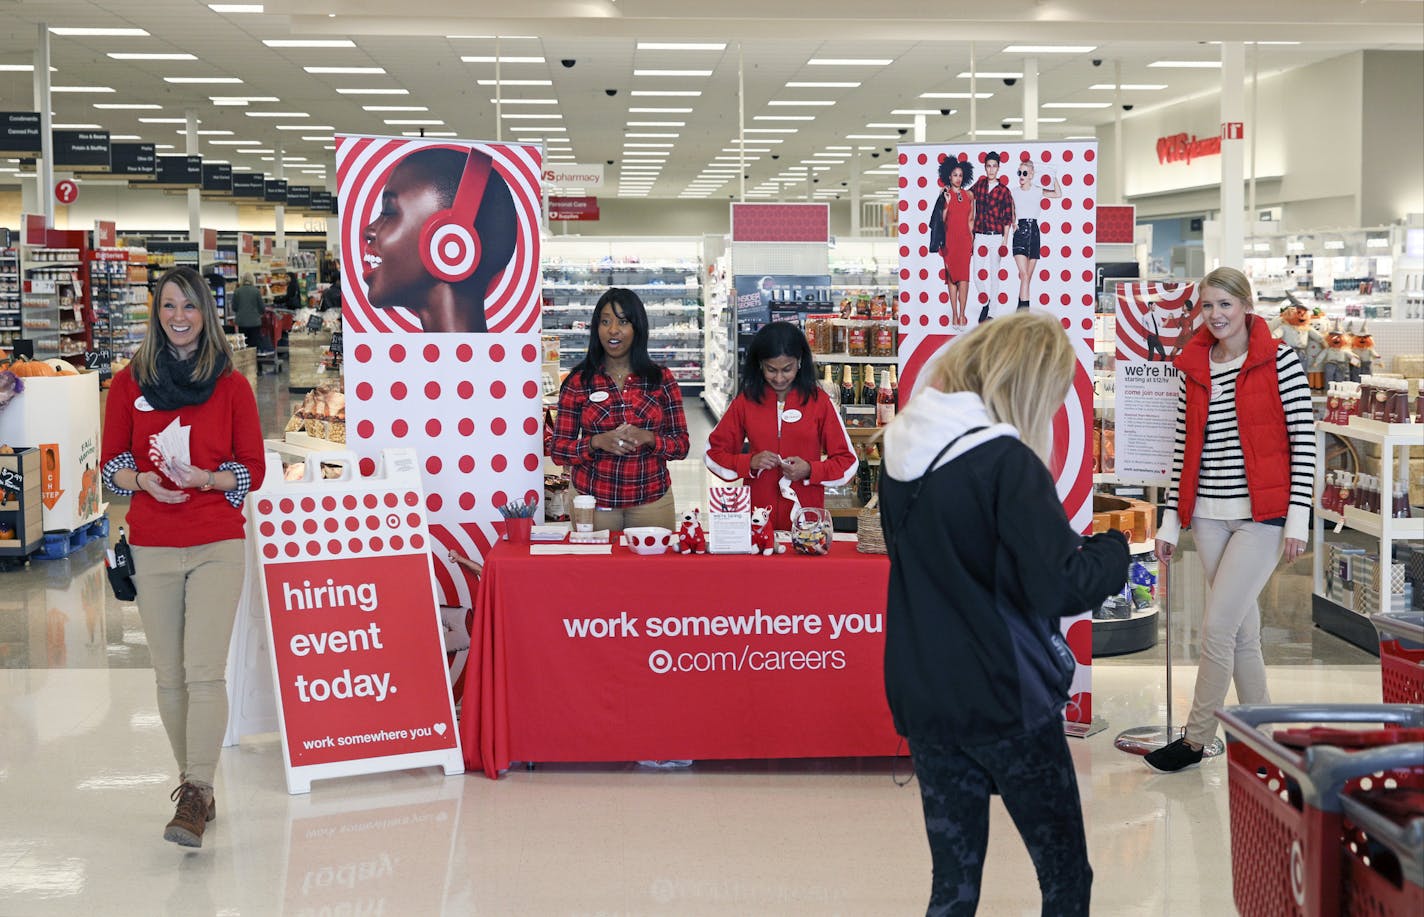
781,425
1243,470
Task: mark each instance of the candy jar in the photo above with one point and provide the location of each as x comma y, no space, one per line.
811,531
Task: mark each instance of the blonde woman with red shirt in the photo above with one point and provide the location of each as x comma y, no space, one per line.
185,521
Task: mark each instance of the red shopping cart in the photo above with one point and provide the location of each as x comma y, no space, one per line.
1401,641
1322,831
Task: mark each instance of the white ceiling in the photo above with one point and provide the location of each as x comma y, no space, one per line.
928,43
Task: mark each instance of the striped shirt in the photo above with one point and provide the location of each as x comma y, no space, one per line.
1221,481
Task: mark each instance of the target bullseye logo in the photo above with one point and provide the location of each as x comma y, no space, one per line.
454,252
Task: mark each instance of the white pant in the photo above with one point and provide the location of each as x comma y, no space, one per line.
1238,557
990,263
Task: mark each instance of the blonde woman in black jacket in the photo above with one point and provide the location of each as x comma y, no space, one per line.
983,564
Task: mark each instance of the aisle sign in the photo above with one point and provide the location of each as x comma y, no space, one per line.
274,191
246,243
299,197
180,172
210,240
323,202
134,161
36,233
66,191
355,634
217,179
19,133
248,184
1153,321
106,234
81,151
573,209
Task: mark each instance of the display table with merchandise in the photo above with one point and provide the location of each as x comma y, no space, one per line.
620,657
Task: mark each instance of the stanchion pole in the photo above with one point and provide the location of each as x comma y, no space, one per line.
1141,740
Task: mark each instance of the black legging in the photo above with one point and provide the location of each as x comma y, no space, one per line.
1033,774
253,334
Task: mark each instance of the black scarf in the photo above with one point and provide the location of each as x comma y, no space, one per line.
175,387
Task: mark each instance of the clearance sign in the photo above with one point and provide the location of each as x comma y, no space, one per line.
353,626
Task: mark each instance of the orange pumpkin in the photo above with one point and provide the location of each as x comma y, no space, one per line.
25,367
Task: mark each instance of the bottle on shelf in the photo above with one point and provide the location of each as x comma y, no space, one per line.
829,385
862,476
1400,506
872,459
867,384
884,401
894,386
847,385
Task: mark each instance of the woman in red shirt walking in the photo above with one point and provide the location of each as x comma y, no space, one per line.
791,429
185,522
620,420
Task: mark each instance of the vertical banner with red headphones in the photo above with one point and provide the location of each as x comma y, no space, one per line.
440,305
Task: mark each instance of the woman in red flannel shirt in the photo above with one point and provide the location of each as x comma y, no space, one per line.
185,521
791,428
620,420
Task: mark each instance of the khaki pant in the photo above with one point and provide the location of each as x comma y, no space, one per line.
1239,557
660,512
187,598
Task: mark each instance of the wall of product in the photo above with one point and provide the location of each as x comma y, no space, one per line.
663,272
1369,273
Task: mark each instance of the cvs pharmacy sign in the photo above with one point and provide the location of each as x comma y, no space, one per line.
573,175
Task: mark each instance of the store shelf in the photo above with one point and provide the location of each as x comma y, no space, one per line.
1373,524
1372,431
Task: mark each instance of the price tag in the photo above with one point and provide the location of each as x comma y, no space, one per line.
11,480
314,323
335,342
100,358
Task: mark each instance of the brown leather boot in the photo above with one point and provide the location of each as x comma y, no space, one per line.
196,807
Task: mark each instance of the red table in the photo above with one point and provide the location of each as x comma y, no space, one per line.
623,658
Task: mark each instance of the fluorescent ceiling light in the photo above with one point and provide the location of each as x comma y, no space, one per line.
162,120
201,79
127,106
875,136
918,111
211,133
125,137
849,62
395,108
955,95
648,146
309,42
771,130
890,124
1187,64
1041,120
77,127
1048,49
1076,105
235,7
153,55
304,127
659,111
993,74
286,159
1128,87
81,89
414,122
21,68
653,135
538,128
690,93
682,46
531,116
241,100
524,101
759,140
791,102
429,134
672,72
493,37
1000,133
514,82
278,114
831,155
501,59
256,150
373,92
89,32
370,70
236,143
657,124
784,118
821,85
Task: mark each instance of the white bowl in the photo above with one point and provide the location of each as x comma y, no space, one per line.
648,539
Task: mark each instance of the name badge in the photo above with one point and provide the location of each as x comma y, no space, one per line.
791,416
598,397
141,404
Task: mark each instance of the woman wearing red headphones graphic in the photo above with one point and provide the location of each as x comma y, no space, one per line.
446,229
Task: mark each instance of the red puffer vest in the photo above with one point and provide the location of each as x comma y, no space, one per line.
1260,417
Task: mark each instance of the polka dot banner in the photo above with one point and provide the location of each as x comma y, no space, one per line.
1050,265
470,407
302,522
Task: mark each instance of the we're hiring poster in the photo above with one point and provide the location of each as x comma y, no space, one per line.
985,230
1154,320
441,287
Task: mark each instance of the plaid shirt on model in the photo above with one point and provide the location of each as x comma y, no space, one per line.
993,207
619,481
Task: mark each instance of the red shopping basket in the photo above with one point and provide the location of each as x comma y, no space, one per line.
1401,640
1294,851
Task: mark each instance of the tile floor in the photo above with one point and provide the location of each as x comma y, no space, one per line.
85,775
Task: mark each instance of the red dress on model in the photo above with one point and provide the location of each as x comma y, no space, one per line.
958,240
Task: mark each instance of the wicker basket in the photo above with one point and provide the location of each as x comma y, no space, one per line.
870,537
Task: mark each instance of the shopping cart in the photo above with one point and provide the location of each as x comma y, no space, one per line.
1401,640
1309,835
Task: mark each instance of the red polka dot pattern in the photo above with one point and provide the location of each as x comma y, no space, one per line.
374,524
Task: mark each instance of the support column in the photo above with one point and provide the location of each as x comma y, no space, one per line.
44,169
919,128
1119,154
855,193
195,195
1030,98
1233,154
280,172
741,126
973,96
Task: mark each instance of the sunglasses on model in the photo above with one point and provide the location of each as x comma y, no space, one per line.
1022,172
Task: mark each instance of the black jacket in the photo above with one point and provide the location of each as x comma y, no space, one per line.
937,223
980,573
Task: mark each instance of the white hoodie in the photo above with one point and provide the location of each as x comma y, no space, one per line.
928,423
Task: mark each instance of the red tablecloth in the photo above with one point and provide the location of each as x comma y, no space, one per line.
622,658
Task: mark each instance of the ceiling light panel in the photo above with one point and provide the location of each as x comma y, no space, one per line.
309,42
278,114
156,55
98,33
514,82
395,108
501,59
1186,64
682,46
127,106
688,93
1049,49
353,70
373,92
849,62
202,79
672,72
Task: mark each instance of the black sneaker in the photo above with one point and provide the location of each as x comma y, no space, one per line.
1174,757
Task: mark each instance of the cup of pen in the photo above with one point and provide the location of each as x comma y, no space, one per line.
519,519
